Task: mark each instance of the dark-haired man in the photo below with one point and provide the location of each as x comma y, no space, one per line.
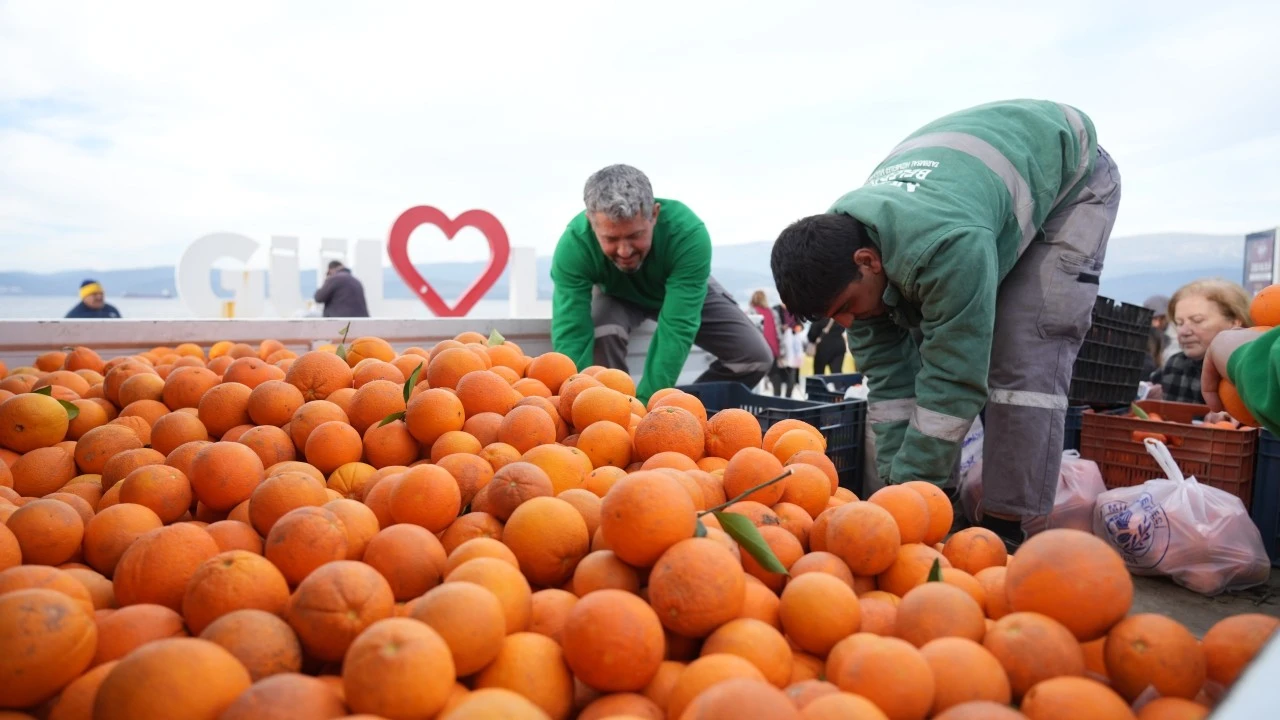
342,293
966,268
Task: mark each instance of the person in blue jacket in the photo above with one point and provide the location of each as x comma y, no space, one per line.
93,303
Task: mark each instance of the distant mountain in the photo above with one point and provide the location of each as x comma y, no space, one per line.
1136,268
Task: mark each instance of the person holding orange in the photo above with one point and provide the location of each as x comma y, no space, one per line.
1242,367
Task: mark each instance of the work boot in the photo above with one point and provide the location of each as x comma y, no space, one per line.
1010,531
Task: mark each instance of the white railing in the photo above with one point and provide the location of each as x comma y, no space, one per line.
22,340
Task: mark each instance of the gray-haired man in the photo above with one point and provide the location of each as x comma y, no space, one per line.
649,258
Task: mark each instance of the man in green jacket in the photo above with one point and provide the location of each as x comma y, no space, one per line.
629,257
966,269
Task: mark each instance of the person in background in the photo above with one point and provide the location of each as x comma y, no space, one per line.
771,327
1158,341
93,303
1200,311
829,347
628,257
793,357
1250,360
342,293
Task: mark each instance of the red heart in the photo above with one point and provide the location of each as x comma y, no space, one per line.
398,249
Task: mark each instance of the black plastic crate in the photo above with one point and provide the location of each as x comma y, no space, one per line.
1071,431
815,386
842,424
1109,365
1266,494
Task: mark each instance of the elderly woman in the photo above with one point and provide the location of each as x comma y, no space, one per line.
1200,310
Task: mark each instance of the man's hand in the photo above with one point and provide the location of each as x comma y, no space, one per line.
1215,362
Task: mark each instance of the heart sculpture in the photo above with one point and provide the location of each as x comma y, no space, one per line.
398,249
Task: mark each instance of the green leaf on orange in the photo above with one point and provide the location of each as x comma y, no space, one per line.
392,418
412,381
741,529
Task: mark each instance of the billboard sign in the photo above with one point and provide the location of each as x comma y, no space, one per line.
1259,261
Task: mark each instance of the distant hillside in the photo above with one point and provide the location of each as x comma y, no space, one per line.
1136,268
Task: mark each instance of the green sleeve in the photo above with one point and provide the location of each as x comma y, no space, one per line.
572,331
956,282
886,354
1254,368
681,314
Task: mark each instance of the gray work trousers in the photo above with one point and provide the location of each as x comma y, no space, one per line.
741,354
1043,312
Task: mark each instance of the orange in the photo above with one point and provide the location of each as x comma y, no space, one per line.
1234,404
1032,648
525,428
230,581
409,557
975,549
531,665
613,641
964,671
30,420
318,374
1074,578
273,403
283,697
48,531
566,467
596,404
749,468
158,565
427,495
1233,641
939,509
645,513
196,675
1172,709
1074,697
50,640
937,609
757,642
741,697
887,671
909,569
602,570
696,586
669,429
302,540
512,485
109,533
548,537
262,642
164,490
225,474
702,674
729,431
865,536
817,611
1148,650
334,604
398,668
823,562
468,618
1264,309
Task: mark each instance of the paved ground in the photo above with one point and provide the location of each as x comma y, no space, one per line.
1197,612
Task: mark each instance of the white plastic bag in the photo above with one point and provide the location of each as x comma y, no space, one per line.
1079,485
1198,535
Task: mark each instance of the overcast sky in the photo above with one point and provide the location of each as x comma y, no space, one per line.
128,129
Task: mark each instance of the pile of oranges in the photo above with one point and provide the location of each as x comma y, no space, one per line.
468,532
